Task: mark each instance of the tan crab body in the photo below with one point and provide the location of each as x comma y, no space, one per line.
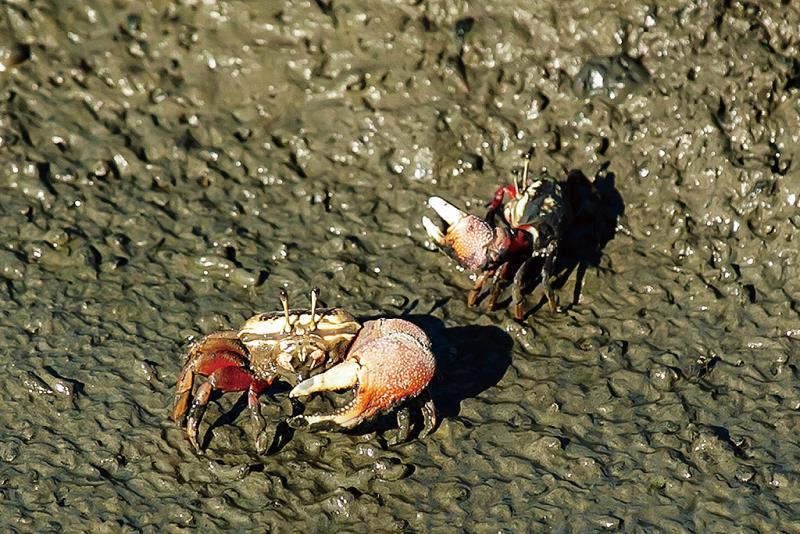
298,342
390,360
290,344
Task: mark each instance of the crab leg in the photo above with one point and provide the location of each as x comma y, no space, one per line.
225,378
257,387
428,415
220,357
221,349
496,287
497,201
475,292
547,273
517,297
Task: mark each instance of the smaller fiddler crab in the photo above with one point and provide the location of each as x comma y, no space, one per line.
385,361
533,219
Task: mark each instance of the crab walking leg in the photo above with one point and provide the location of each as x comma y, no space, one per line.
225,378
547,273
257,387
475,292
403,424
497,201
497,285
517,297
428,415
221,349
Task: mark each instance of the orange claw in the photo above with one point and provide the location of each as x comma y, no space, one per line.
473,242
390,361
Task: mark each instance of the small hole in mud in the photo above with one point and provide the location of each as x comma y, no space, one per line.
751,292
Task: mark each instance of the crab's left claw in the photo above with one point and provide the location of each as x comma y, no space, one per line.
471,240
390,361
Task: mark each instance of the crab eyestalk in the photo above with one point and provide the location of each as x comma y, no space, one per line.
284,296
314,297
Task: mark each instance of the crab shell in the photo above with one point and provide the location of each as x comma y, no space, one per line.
297,342
390,361
538,208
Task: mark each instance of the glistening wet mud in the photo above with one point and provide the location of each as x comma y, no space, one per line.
166,167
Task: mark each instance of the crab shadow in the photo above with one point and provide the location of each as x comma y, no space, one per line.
596,206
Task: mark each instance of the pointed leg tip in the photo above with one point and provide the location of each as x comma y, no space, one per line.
552,303
195,445
262,442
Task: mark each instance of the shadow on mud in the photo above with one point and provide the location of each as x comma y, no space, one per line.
469,359
596,208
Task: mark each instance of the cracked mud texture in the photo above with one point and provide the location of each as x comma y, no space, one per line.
166,167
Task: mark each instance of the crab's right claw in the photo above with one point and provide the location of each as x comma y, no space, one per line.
390,362
467,237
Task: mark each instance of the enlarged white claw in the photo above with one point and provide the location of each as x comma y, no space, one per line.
340,376
445,210
433,231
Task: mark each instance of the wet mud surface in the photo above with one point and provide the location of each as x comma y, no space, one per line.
166,167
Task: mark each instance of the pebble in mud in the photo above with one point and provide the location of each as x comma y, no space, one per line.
613,77
662,378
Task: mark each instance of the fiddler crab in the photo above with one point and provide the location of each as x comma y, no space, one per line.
385,361
532,223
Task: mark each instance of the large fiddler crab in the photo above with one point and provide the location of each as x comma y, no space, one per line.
532,221
385,361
